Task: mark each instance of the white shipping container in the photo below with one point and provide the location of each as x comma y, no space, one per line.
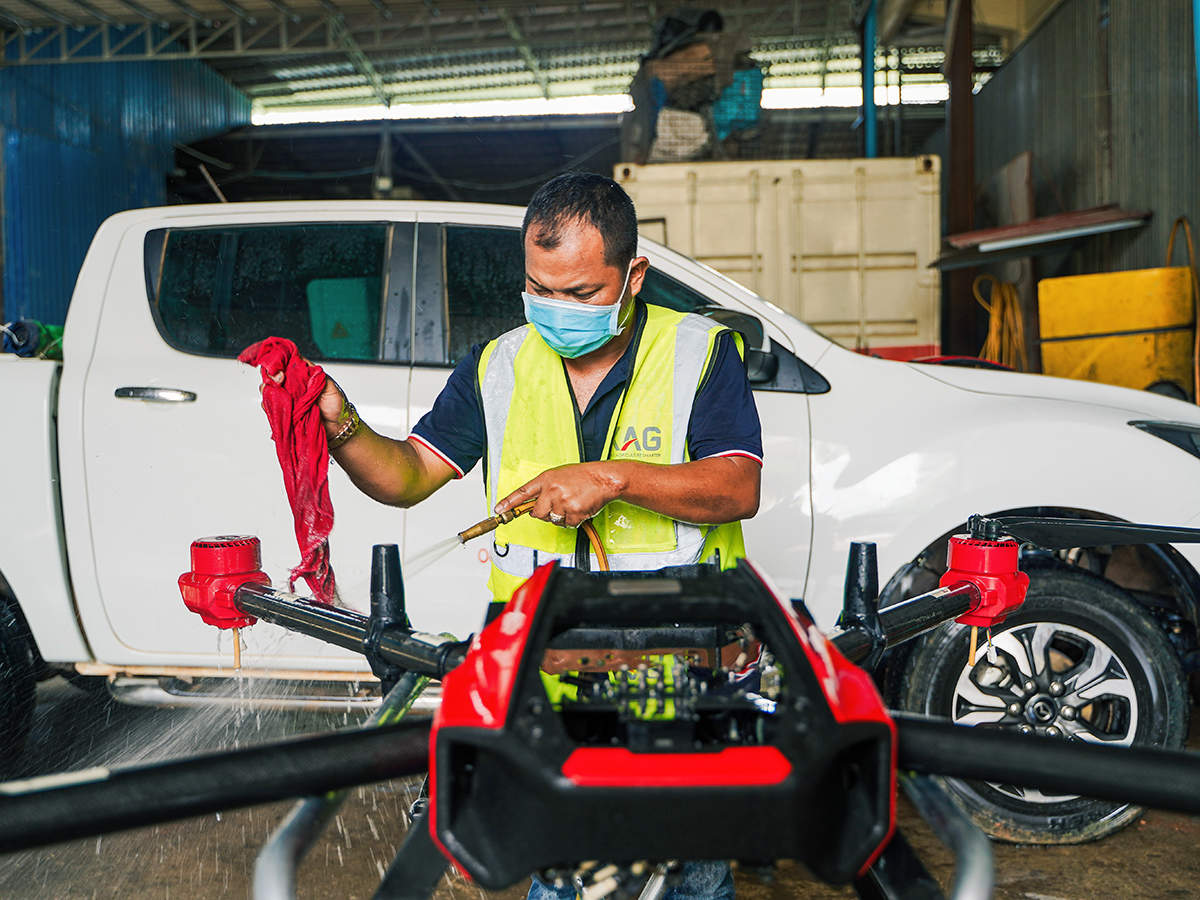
843,244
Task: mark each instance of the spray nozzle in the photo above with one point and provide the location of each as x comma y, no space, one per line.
495,521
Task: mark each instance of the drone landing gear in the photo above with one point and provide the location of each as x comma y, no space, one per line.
417,867
898,873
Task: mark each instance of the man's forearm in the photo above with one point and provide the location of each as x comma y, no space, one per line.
704,492
390,471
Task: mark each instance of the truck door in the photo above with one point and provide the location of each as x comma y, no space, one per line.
176,445
470,272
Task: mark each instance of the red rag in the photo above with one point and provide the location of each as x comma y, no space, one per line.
303,453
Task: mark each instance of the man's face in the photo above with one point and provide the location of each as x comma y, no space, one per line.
576,269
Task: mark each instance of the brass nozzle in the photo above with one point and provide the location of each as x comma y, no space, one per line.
494,522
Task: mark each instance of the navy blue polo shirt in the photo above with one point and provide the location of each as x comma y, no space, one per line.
724,420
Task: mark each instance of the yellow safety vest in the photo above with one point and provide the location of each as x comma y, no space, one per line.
532,425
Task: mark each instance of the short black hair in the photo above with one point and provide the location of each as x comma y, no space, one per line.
584,197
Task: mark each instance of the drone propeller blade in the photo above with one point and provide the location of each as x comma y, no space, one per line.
1063,534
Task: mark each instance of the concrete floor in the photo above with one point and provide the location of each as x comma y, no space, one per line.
213,856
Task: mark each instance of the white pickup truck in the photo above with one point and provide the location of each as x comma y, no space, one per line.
150,434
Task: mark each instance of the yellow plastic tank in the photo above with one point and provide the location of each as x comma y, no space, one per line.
1132,329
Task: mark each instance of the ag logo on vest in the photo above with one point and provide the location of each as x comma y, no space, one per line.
647,445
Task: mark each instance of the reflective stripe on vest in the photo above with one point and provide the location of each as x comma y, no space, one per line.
673,351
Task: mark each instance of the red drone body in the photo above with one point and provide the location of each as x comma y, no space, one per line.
610,785
220,565
990,565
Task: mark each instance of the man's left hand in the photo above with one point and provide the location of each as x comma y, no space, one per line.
567,495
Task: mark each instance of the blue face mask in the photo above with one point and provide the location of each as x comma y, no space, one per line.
572,328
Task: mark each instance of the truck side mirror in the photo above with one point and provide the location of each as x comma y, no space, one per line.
761,366
750,327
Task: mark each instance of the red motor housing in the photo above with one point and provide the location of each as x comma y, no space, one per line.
992,567
220,565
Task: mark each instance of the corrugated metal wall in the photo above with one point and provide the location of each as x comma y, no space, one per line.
1104,94
81,142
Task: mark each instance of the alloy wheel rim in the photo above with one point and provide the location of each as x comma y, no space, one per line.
1050,679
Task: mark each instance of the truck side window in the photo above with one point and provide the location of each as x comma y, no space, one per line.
484,275
217,290
479,271
663,290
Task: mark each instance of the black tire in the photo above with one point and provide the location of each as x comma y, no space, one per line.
1077,624
18,687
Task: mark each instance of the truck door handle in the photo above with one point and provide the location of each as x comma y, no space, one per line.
155,394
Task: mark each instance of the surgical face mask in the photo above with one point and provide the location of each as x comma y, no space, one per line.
572,328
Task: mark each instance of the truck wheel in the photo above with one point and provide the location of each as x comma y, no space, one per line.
1080,661
18,687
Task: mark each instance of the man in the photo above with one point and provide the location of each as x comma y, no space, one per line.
595,441
637,417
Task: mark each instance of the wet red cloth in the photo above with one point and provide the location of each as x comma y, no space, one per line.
303,453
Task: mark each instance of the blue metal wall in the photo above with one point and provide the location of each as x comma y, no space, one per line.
81,142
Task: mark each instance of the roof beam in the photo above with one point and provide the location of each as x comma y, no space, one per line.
140,31
90,34
358,59
250,40
417,42
892,14
514,31
133,6
529,124
93,11
305,36
46,11
15,21
283,9
51,35
239,11
188,11
421,161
